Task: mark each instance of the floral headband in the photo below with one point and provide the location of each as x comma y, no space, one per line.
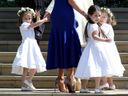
107,10
25,9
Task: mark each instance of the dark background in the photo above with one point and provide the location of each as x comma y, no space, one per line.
24,3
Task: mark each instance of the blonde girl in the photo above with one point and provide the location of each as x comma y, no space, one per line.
107,20
29,59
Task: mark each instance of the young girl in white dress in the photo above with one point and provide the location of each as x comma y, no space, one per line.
94,63
29,59
106,22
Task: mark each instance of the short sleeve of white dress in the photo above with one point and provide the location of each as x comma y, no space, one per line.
26,31
91,28
111,32
24,26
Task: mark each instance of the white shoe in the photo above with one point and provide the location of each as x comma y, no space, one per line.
104,86
97,90
112,87
84,90
29,83
26,88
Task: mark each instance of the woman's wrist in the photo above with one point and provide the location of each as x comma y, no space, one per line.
84,14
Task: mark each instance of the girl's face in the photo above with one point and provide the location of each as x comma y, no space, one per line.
27,18
103,18
96,16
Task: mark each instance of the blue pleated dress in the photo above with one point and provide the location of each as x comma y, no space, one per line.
64,48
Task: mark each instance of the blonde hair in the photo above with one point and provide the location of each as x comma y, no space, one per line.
111,18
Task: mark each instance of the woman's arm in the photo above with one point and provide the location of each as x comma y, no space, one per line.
47,16
49,11
50,7
77,8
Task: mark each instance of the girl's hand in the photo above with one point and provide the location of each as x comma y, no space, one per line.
38,13
108,40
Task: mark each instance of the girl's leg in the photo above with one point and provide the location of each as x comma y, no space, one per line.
84,84
97,83
32,72
24,78
111,84
104,80
25,73
110,81
28,81
104,84
84,88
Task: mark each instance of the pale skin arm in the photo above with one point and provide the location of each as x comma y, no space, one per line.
36,24
96,37
77,8
39,21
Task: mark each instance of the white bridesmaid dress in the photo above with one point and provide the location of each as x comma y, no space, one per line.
28,54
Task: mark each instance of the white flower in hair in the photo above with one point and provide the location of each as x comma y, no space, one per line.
108,11
22,9
25,9
111,14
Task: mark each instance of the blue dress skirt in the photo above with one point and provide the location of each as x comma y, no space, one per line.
64,48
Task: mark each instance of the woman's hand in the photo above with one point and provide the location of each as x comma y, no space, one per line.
77,8
47,16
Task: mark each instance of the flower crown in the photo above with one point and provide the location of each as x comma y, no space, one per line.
25,9
107,10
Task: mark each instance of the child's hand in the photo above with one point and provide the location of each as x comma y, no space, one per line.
37,13
108,40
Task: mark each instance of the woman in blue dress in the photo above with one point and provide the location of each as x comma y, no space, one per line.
64,48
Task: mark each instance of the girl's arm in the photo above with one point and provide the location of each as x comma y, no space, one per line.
96,37
38,23
77,8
